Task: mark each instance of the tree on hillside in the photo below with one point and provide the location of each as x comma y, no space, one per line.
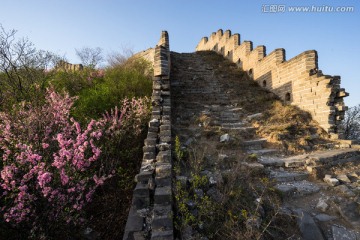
90,57
351,123
21,65
116,58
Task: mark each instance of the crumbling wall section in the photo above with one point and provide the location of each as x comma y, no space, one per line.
297,81
151,215
68,67
148,55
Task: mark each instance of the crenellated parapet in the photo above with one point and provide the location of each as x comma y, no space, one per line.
297,81
68,67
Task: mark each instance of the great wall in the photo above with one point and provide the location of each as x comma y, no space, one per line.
318,186
297,80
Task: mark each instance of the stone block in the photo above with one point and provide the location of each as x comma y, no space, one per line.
225,138
165,139
163,146
144,176
153,129
163,223
341,233
162,217
134,223
141,190
163,195
165,127
165,93
156,116
331,181
343,178
156,86
165,86
154,123
345,190
162,235
165,117
149,148
150,141
163,170
163,181
165,133
149,155
322,205
164,156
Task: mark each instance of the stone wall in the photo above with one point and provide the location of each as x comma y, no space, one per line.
151,215
148,55
297,81
65,66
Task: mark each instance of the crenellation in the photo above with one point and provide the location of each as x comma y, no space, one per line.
298,78
68,67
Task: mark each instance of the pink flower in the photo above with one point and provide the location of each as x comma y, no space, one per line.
45,145
44,178
89,195
64,178
97,180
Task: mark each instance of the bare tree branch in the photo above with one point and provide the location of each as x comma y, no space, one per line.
351,123
90,57
21,65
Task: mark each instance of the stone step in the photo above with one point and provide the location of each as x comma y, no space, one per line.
229,122
239,129
331,156
297,188
256,144
289,162
238,109
263,152
319,158
285,176
233,124
228,114
315,168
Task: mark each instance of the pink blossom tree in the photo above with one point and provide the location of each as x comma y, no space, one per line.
51,166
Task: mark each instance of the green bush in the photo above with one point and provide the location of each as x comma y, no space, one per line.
101,90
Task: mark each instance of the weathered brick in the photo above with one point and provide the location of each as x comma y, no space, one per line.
144,176
163,195
163,170
150,141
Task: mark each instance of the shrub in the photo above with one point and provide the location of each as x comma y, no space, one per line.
100,90
51,166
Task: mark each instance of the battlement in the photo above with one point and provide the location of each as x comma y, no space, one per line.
65,66
297,81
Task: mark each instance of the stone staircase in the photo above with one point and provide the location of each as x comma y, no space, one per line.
325,209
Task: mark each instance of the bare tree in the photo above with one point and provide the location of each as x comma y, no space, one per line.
21,64
117,58
351,123
90,57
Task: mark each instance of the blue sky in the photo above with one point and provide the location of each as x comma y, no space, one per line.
63,25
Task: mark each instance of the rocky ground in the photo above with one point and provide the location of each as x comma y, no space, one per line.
216,111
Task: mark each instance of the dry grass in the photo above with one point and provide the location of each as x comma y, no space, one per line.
291,128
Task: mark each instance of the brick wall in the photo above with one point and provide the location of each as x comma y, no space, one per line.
151,215
297,81
148,55
65,66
